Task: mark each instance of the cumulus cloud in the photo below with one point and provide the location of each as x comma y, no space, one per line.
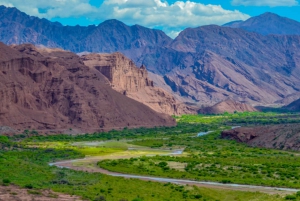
151,13
271,3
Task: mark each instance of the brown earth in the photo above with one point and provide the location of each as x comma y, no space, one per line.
14,193
227,106
126,78
53,89
286,137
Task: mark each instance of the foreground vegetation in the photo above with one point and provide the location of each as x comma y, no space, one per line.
24,161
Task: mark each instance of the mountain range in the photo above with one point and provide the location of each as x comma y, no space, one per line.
256,61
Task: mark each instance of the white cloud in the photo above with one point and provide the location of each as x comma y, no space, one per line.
271,3
151,13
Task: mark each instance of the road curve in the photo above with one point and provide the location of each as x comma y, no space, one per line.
92,167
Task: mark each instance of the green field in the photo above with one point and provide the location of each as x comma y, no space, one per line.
24,161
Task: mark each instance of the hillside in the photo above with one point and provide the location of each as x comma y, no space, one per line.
276,136
227,106
53,90
293,106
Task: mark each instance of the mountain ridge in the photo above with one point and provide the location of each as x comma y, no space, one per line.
201,66
268,23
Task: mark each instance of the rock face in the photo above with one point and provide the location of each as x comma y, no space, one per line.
277,137
53,90
268,23
202,66
227,106
121,72
134,82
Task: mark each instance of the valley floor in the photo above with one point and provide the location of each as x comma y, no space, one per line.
127,165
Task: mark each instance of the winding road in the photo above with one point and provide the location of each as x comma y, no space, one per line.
89,164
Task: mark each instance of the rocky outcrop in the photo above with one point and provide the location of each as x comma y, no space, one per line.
121,72
134,82
227,106
285,137
53,90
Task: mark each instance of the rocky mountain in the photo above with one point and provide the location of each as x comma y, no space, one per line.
126,78
268,23
275,137
210,64
202,66
227,106
51,89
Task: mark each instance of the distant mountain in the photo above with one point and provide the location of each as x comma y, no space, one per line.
268,23
227,106
112,35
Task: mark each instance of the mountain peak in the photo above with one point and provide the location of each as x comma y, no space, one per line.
112,22
268,23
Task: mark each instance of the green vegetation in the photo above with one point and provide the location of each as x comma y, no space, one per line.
24,161
212,159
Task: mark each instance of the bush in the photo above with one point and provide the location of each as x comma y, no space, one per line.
100,198
6,182
29,186
290,197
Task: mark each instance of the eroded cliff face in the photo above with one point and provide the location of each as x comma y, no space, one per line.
121,72
53,90
126,78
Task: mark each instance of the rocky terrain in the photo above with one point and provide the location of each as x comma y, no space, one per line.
227,106
202,66
126,78
285,137
14,193
44,89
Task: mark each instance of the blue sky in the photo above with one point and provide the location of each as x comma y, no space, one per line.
172,16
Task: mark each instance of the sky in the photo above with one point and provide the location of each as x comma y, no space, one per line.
171,16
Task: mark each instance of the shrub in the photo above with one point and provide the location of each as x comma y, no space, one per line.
6,182
29,186
290,197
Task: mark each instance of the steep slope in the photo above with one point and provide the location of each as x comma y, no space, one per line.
276,137
227,106
268,23
213,63
54,90
134,82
